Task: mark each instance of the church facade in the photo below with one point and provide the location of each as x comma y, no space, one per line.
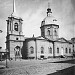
45,46
48,44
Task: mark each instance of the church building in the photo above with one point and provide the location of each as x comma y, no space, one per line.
48,44
45,46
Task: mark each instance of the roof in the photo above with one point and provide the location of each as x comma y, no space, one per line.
73,40
49,25
38,38
2,50
49,20
63,40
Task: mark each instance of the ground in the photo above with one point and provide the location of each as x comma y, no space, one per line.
53,66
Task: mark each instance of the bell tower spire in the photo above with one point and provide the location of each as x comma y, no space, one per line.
14,33
14,9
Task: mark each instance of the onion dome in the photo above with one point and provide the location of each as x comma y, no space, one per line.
49,19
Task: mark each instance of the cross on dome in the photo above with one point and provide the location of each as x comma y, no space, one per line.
49,9
48,4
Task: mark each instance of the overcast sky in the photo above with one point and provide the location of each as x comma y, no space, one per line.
34,11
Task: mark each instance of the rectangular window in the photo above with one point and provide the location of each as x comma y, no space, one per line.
69,50
66,50
50,50
42,50
57,50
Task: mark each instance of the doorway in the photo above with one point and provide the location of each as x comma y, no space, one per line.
62,51
17,52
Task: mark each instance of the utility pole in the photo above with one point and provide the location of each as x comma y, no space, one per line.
6,59
20,47
1,47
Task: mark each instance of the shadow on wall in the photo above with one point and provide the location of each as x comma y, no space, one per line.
24,50
68,71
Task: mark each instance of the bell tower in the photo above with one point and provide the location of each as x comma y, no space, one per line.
14,25
15,37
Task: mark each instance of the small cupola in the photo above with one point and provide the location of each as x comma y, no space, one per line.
49,10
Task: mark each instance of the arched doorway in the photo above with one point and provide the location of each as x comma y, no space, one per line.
17,52
62,51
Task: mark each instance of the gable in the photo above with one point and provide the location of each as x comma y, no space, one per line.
62,40
40,37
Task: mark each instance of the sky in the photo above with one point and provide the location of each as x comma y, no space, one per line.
33,12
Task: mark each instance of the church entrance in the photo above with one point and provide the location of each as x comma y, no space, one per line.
62,51
17,52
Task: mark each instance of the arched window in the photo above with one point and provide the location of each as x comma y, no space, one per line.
55,32
50,50
57,50
66,50
42,50
16,26
48,32
31,50
69,50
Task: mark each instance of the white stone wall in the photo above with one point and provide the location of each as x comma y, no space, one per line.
12,46
39,44
46,32
13,37
62,45
52,33
29,44
45,44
